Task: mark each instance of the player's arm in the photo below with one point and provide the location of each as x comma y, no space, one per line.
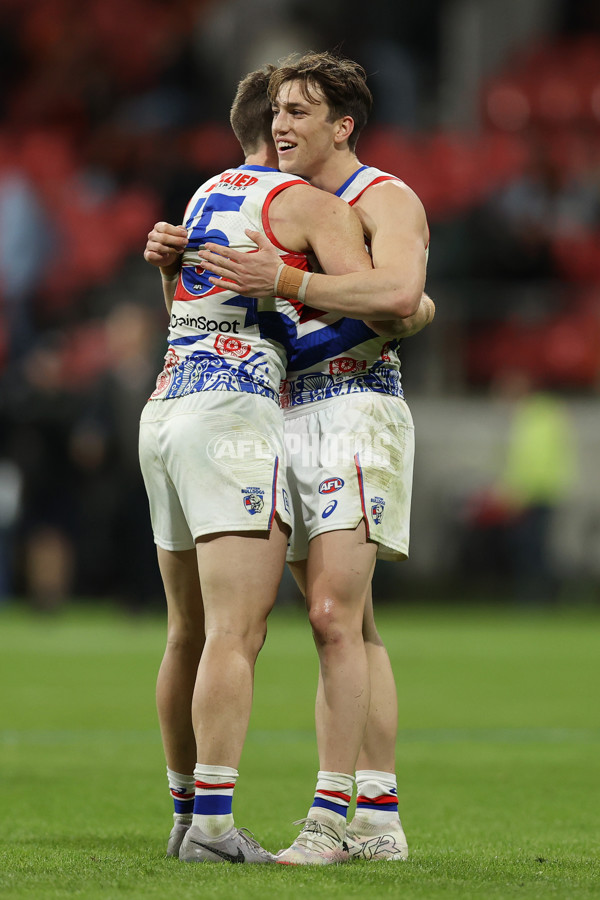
305,220
403,328
320,223
164,248
395,221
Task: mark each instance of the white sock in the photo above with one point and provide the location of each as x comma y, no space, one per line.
332,795
182,792
214,798
377,795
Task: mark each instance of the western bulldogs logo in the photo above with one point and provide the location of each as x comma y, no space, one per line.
377,506
331,485
345,365
253,500
228,346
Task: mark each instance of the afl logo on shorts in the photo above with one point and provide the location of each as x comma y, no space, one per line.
253,500
229,346
331,485
377,507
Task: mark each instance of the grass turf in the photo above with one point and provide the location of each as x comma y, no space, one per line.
498,759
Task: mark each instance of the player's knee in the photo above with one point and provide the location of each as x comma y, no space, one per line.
256,639
328,622
185,643
245,639
371,635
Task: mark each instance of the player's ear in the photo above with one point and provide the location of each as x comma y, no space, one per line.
345,127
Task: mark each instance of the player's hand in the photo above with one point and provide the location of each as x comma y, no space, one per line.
253,272
403,328
165,245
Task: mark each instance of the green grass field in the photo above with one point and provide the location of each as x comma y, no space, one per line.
498,759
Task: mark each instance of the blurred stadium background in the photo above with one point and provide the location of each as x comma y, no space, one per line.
113,112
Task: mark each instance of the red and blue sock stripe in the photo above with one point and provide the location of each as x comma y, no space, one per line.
384,803
183,801
213,799
335,801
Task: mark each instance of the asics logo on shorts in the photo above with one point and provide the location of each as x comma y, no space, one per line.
329,509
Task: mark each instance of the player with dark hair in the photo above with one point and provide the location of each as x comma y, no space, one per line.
343,385
212,452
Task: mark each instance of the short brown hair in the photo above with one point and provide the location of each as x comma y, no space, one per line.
251,116
342,82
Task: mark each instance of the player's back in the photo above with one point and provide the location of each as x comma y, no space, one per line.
219,340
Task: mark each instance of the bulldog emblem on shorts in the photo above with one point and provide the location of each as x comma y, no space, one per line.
377,506
253,500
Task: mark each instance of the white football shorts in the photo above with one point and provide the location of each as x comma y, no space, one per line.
351,458
213,461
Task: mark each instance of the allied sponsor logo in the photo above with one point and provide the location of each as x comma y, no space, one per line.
377,507
331,485
346,365
238,179
227,346
253,500
286,499
329,509
385,352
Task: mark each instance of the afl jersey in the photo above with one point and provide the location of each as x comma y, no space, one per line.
219,340
333,355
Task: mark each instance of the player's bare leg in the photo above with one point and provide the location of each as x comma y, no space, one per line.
339,570
176,680
239,574
338,573
376,831
177,673
378,750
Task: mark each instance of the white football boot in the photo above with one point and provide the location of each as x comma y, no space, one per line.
320,843
376,840
178,832
235,846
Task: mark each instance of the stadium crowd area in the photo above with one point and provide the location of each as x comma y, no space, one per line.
110,122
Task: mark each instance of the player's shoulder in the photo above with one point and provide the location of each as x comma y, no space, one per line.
305,199
390,188
391,200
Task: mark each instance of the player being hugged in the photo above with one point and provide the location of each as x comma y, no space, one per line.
212,457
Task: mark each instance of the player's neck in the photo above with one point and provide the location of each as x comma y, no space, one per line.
335,171
266,156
